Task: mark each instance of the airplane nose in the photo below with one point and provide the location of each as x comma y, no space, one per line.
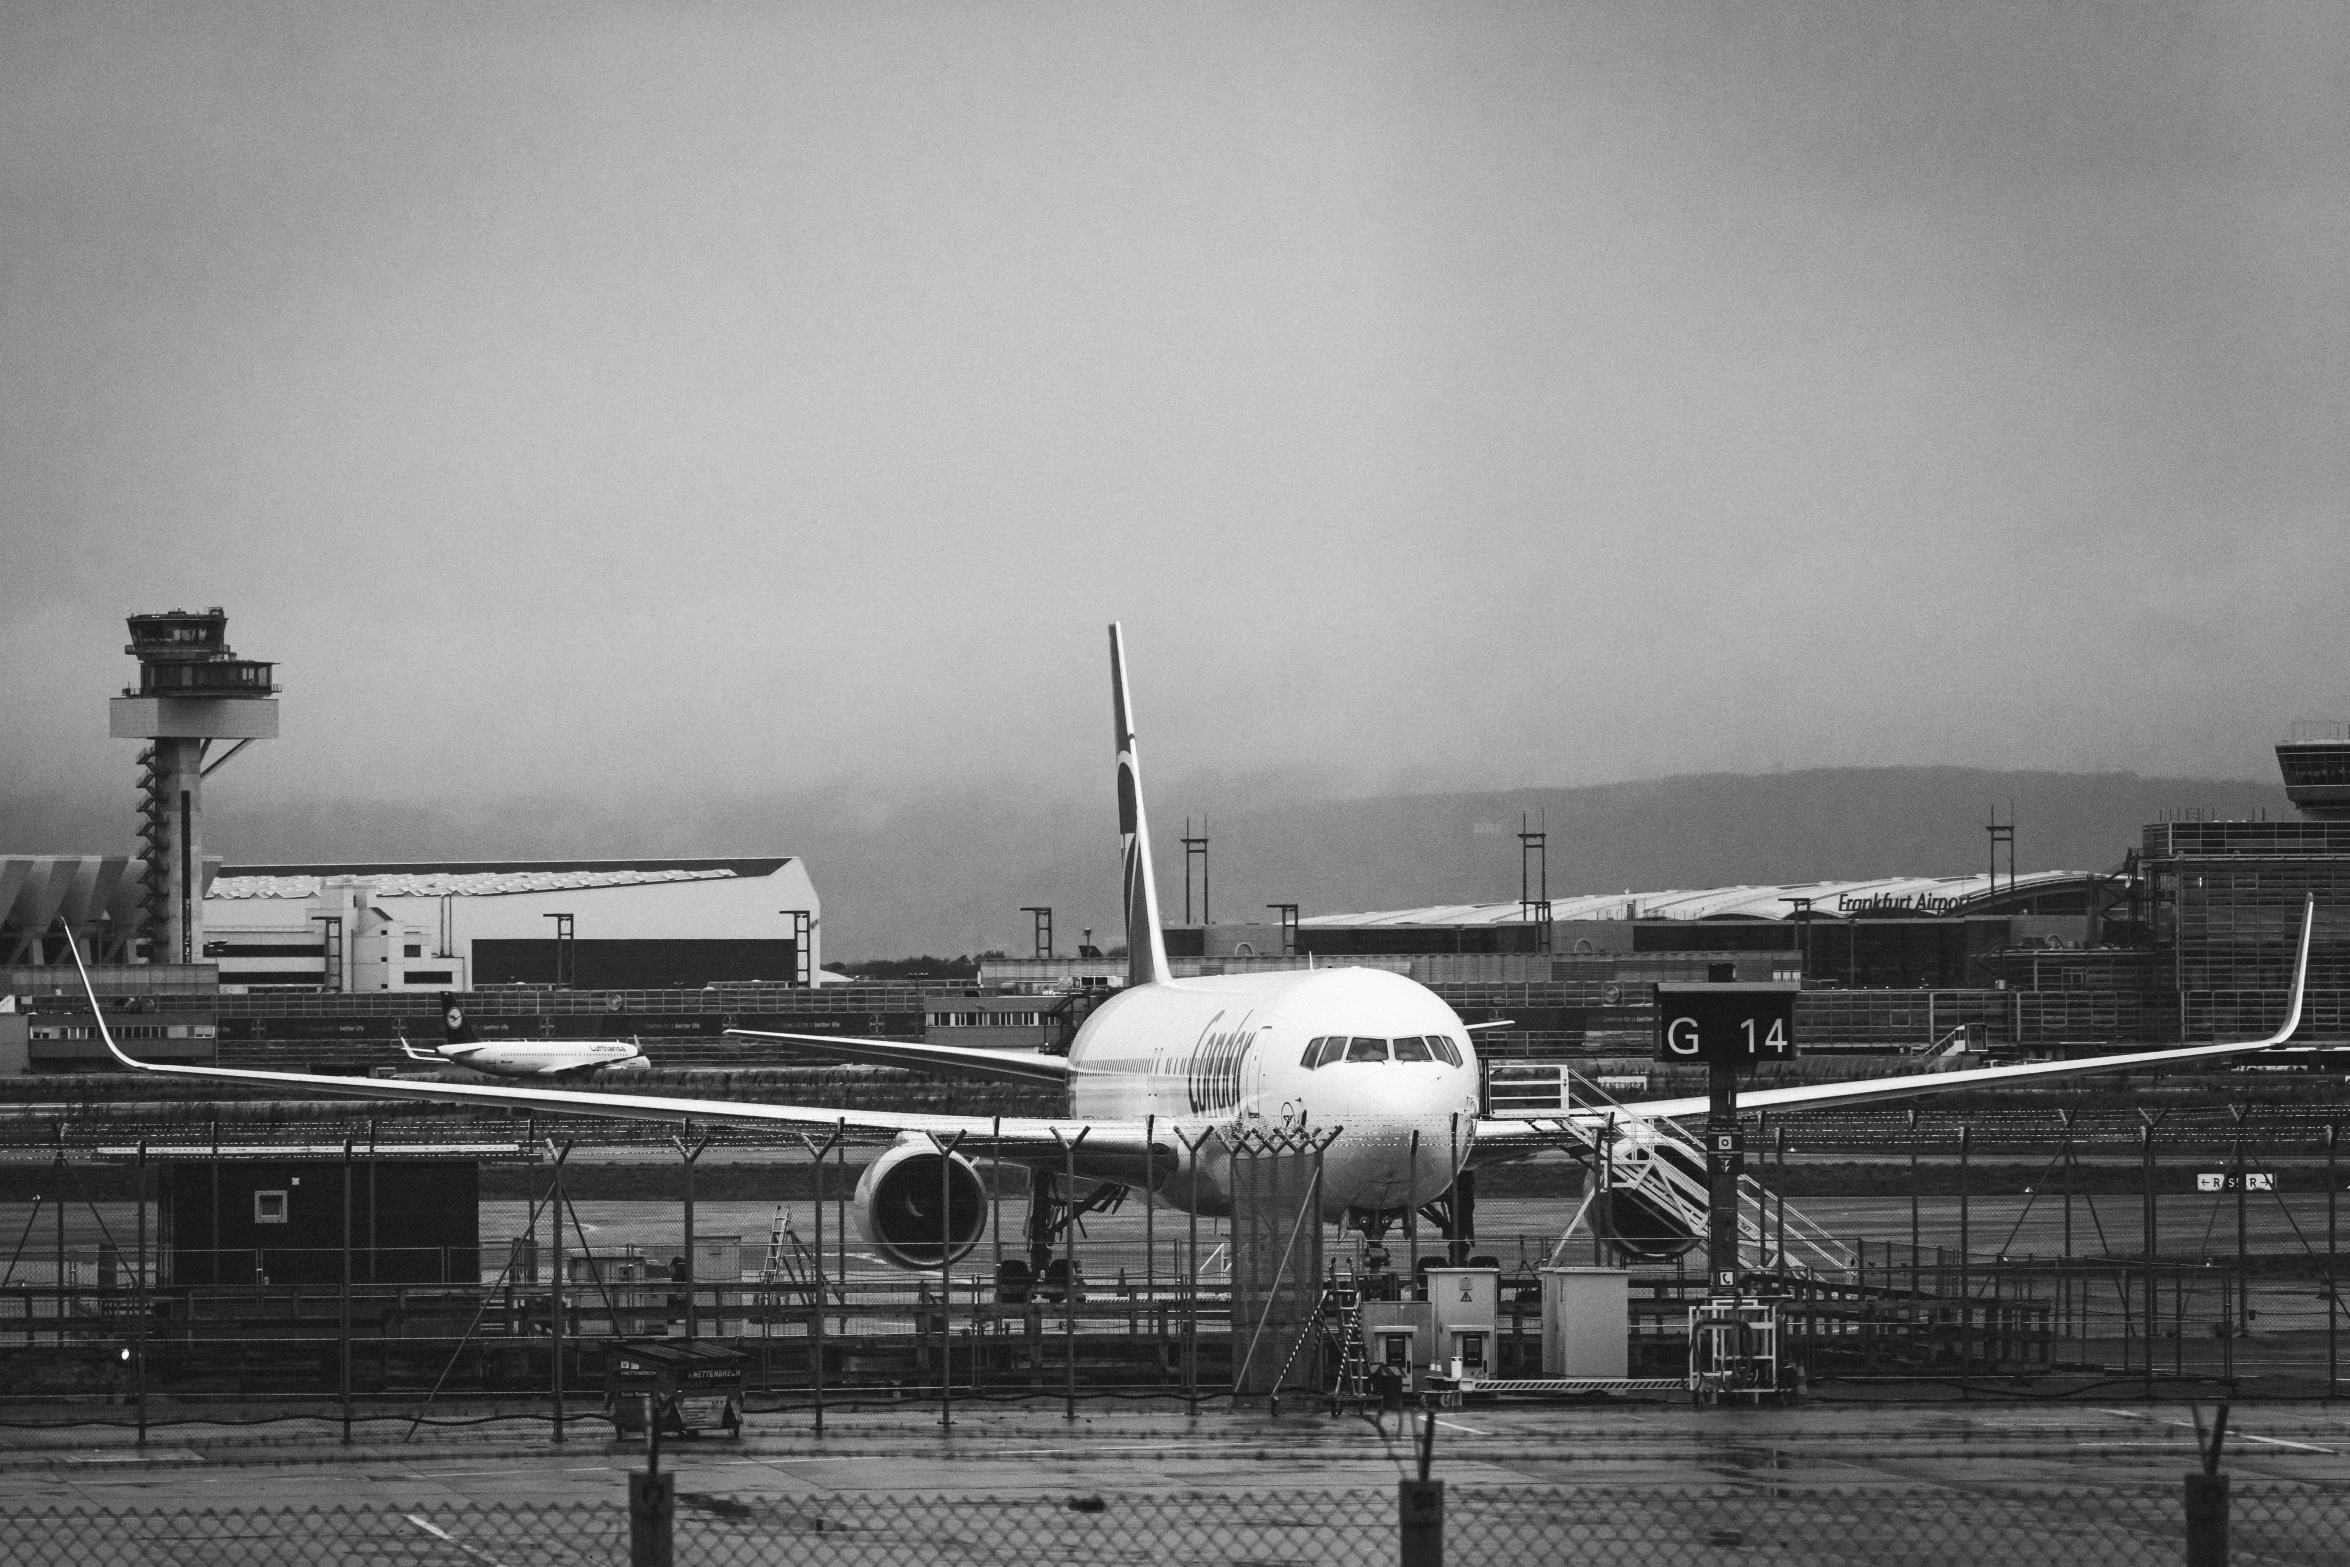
1378,1157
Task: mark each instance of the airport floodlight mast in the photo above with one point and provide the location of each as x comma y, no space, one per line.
193,690
1288,914
1802,908
1534,878
1196,849
566,952
803,946
1043,915
2002,833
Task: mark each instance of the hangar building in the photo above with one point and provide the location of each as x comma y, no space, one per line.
473,925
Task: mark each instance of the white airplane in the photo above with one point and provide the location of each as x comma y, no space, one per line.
525,1058
1168,1075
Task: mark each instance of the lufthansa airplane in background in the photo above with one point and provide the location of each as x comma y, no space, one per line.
525,1058
1168,1074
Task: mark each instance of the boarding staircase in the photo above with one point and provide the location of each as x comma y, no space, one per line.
1665,1163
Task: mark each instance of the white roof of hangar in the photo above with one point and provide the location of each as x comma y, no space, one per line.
476,879
1921,894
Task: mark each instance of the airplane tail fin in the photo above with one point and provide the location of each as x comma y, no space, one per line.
1146,939
455,1030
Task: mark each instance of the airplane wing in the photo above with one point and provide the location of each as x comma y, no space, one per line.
946,1060
1505,1136
1111,1150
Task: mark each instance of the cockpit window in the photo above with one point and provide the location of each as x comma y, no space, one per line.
1323,1049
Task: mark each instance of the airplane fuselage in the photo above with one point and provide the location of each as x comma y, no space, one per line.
548,1058
1229,1052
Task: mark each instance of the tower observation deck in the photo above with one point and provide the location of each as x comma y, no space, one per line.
193,691
2315,759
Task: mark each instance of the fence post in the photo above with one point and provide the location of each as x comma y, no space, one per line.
2207,1497
1069,1282
555,1294
1966,1269
58,1268
1150,1233
816,1295
691,1156
2333,1277
344,1302
2207,1520
1420,1515
1191,1281
652,1513
1419,1510
2146,1230
946,1277
2240,1309
139,1365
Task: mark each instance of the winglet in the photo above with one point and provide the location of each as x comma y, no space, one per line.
2300,975
91,991
1146,939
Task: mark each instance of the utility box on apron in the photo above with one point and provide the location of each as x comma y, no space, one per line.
1397,1337
1586,1322
1465,1304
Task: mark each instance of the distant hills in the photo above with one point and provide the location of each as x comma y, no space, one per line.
948,870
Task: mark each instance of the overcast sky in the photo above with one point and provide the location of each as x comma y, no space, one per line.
700,397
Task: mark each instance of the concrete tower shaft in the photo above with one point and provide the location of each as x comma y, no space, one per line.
193,691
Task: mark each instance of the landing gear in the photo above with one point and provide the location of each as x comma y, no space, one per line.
1454,1213
1049,1216
1374,1223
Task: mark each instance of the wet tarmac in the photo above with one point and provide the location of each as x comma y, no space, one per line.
1034,1451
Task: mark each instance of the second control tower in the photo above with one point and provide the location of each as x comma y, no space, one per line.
192,691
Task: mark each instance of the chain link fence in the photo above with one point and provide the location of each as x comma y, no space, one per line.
2060,1528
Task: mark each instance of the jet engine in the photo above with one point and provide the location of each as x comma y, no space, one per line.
907,1206
1647,1213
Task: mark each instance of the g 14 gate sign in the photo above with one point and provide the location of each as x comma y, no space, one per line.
1732,1025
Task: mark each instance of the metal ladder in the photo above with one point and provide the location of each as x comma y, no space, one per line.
1341,1297
1353,1385
790,1268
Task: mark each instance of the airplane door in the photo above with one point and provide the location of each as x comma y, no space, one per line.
1252,1075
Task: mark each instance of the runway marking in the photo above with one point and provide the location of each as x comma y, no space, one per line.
1472,1430
2241,1436
443,1534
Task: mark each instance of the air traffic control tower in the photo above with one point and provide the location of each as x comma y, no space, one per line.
2315,759
193,690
